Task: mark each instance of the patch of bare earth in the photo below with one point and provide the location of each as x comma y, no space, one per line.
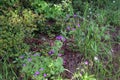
116,51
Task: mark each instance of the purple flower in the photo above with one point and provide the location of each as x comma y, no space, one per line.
41,69
78,25
24,65
37,73
51,52
73,29
36,54
75,15
68,28
60,38
59,55
29,59
21,57
86,62
45,75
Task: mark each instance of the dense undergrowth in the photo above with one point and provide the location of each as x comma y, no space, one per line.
59,39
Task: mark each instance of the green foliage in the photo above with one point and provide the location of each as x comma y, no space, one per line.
50,10
13,30
7,71
52,67
114,17
9,2
88,38
11,42
108,10
85,76
57,47
45,65
50,19
92,38
82,72
89,33
39,5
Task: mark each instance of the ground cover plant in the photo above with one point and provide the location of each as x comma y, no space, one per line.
59,40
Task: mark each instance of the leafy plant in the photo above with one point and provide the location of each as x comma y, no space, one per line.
51,16
40,67
9,3
85,76
13,31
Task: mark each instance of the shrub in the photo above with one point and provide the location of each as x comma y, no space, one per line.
14,29
9,3
51,15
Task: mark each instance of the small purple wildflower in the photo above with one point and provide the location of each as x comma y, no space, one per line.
51,52
68,28
60,38
29,59
36,54
75,15
37,73
73,29
78,25
45,75
59,55
24,65
41,69
86,62
21,57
